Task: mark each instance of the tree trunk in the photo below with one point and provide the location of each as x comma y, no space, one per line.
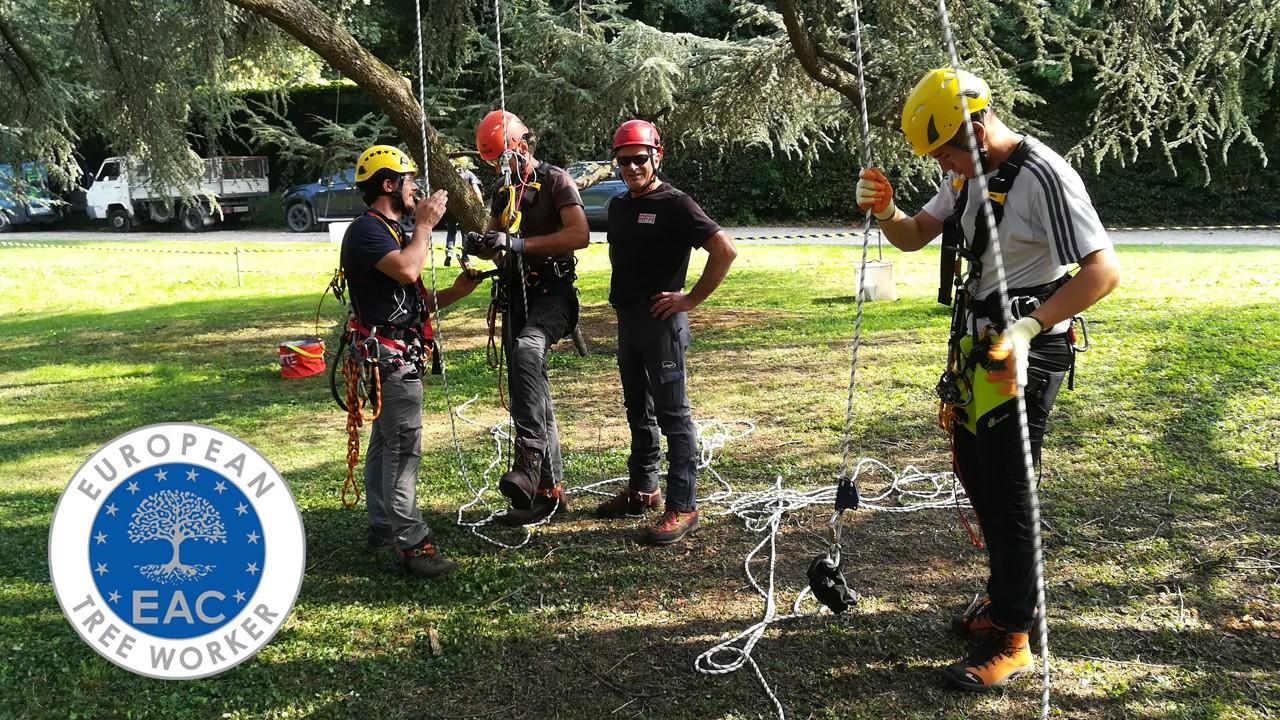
393,93
174,562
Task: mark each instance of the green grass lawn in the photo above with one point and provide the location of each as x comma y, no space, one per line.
1161,494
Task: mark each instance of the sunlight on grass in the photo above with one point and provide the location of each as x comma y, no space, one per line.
1160,475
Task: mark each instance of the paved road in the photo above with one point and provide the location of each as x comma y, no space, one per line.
744,235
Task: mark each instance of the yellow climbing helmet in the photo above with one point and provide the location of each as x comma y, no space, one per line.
381,157
934,113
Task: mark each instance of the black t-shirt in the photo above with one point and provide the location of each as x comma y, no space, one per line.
378,298
541,208
650,240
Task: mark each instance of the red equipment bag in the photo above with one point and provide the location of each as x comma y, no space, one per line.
301,358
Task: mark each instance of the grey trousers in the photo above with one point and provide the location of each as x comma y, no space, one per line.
651,354
531,408
391,461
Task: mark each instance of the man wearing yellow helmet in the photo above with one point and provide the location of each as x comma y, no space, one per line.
391,313
1046,224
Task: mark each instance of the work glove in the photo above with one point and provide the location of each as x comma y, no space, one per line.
496,241
876,194
1009,355
473,244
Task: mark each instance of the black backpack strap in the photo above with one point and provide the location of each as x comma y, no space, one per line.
998,191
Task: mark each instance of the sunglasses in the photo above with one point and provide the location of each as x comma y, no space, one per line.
632,160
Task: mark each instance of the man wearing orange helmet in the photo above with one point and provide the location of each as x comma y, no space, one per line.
1046,224
536,224
391,316
653,229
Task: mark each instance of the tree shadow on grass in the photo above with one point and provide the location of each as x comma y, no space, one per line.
583,623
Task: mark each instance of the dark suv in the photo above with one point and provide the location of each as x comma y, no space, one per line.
332,199
595,199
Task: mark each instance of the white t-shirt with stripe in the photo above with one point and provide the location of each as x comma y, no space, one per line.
1049,222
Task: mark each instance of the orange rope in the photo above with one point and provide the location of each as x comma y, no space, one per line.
355,419
947,419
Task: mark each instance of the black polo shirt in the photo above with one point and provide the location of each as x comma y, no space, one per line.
650,240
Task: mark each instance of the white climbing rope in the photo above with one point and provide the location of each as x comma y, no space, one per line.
438,325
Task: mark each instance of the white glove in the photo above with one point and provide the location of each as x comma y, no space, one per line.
1014,348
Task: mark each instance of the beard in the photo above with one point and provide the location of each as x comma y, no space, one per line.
399,205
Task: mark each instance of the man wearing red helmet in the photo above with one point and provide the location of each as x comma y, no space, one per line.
653,228
536,224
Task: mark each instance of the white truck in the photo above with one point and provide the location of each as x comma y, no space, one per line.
122,195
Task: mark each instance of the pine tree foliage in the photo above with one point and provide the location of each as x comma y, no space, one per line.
1167,74
1186,78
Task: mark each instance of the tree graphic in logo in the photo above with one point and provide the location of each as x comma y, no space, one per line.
176,516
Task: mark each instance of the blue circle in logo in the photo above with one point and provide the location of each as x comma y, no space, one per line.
177,550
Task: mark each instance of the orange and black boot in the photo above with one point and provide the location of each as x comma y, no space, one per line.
974,623
1001,657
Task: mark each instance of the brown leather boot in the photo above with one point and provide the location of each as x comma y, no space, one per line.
546,500
671,527
629,503
520,483
423,561
1001,657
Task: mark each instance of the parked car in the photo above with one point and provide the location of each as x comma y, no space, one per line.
32,203
332,199
123,194
595,199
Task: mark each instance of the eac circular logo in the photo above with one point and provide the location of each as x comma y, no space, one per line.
176,551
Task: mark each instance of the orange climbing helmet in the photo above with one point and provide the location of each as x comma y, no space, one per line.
498,132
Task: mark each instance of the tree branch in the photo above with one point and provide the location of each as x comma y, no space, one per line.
815,60
28,63
392,92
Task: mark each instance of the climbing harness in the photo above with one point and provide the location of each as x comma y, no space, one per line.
364,351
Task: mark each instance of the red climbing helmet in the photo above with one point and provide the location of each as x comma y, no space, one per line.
637,132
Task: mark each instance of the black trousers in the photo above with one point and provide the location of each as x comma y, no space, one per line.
550,318
993,470
651,362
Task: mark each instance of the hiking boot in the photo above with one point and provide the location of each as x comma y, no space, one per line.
423,560
974,624
1001,657
520,484
628,503
671,527
546,501
380,537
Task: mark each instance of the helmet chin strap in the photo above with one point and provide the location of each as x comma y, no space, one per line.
397,200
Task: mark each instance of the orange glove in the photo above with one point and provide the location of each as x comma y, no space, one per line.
876,194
